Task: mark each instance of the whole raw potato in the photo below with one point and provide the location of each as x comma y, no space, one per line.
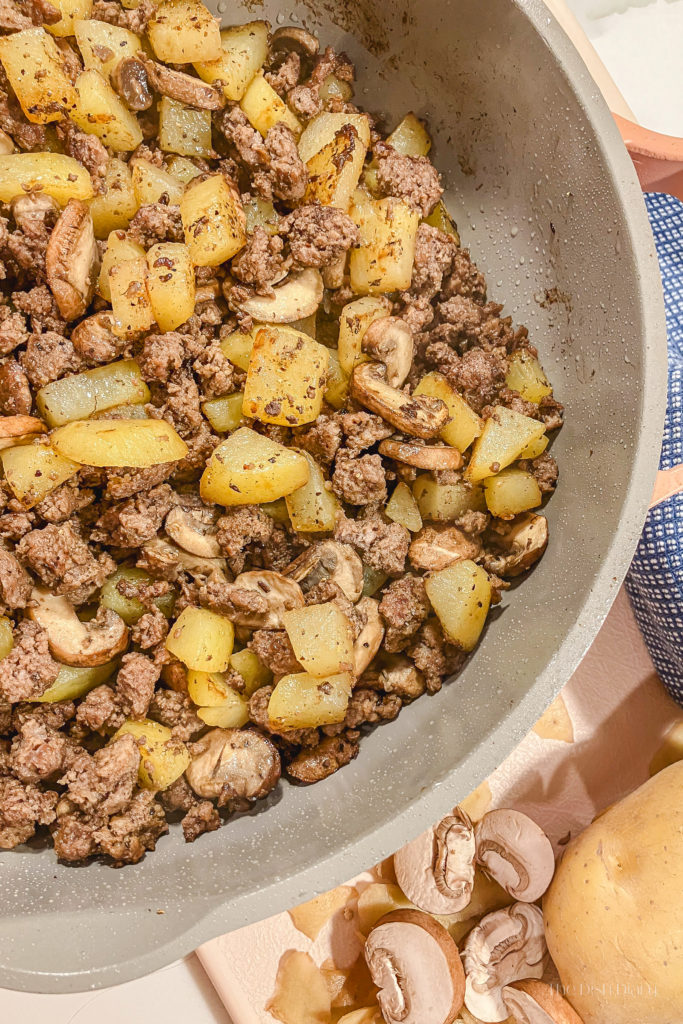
614,912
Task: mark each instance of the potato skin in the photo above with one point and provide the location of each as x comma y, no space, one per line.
614,912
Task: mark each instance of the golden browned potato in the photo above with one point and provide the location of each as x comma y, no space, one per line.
163,759
213,221
253,672
410,137
70,11
183,31
114,208
152,184
73,682
445,501
248,468
264,108
183,129
333,146
119,249
244,52
33,470
337,387
313,507
384,260
6,636
54,174
286,377
237,347
34,66
460,595
354,320
135,443
81,395
510,492
505,436
402,508
202,640
104,46
301,701
526,375
321,637
100,111
225,413
170,284
464,425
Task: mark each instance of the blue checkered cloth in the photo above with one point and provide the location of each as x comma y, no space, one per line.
655,579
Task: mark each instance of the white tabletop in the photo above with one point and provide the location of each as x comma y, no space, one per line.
632,42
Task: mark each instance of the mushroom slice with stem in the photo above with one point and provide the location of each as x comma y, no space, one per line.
193,530
507,945
297,39
296,298
369,640
534,1002
515,851
19,429
422,456
435,547
131,82
71,641
329,560
260,597
436,870
416,965
72,260
166,560
417,416
516,544
235,767
186,89
389,340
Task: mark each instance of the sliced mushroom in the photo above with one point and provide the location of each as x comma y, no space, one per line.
72,260
534,1002
181,87
329,560
436,870
435,547
416,966
74,642
422,456
95,341
298,39
259,598
506,946
515,851
298,297
131,82
398,675
34,212
166,560
389,340
417,416
516,544
235,767
333,275
369,640
193,530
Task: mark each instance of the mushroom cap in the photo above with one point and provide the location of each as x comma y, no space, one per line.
233,766
328,559
436,870
291,38
71,641
534,1002
193,530
437,546
369,640
131,82
72,260
416,965
414,415
389,340
296,298
422,456
506,946
516,852
517,544
277,592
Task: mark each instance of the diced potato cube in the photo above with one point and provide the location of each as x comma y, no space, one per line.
260,213
335,170
264,108
464,424
337,387
116,206
354,321
384,260
301,701
129,608
130,304
104,46
334,88
134,443
72,682
207,689
71,10
277,510
53,174
33,470
183,169
100,111
79,396
460,595
171,284
403,509
444,502
511,492
322,129
119,248
213,221
237,347
535,448
410,137
184,31
6,636
163,759
526,375
313,507
233,713
224,414
253,672
505,436
245,49
248,468
202,640
152,184
34,65
286,377
321,637
440,218
184,130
